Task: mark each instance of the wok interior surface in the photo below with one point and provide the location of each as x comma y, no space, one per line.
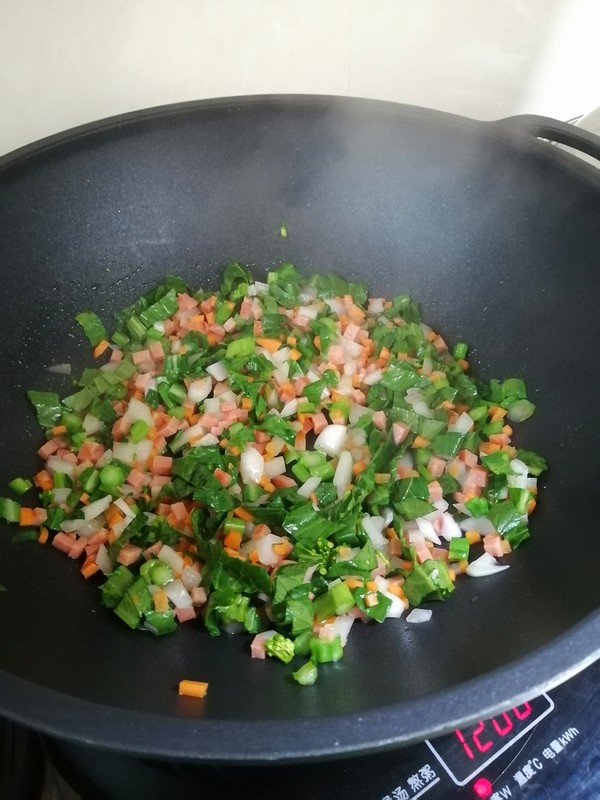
497,238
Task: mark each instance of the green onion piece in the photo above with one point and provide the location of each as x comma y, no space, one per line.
460,350
458,549
111,477
160,622
234,525
92,327
25,536
323,651
138,430
115,587
284,232
10,510
342,598
20,485
157,572
307,674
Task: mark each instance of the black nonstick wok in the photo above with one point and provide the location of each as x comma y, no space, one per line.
494,231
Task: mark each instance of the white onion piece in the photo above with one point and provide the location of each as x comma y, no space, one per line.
178,594
170,557
309,312
450,528
357,411
373,377
75,525
342,625
480,524
375,305
484,565
91,424
228,397
463,424
218,370
388,517
122,506
142,451
190,578
264,548
193,432
331,439
261,288
289,408
531,483
345,386
59,496
282,373
281,356
335,305
207,440
200,389
351,349
517,481
96,508
309,486
418,615
59,369
124,451
56,464
307,294
343,473
373,527
276,466
212,405
422,409
138,410
252,466
427,529
406,461
103,561
519,467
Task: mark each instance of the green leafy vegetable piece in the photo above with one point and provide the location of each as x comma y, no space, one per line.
92,327
47,406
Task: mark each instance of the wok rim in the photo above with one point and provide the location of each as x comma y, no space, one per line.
321,737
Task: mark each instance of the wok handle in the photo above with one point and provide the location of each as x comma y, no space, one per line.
555,131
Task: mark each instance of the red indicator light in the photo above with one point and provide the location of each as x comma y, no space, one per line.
482,787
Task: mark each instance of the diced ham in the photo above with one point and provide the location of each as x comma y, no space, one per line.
436,492
141,357
169,428
179,511
136,479
400,431
161,465
121,428
129,554
469,458
63,541
152,551
199,596
156,351
478,476
379,420
352,331
185,614
90,451
283,482
436,466
186,302
48,449
492,544
257,646
319,422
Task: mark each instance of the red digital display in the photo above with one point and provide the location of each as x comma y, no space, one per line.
468,750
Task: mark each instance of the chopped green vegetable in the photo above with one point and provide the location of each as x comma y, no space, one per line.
280,647
92,327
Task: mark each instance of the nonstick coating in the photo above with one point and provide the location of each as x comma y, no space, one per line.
495,234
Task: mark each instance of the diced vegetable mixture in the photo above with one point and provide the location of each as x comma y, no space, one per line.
280,458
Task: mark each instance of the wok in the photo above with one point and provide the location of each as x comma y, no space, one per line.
495,232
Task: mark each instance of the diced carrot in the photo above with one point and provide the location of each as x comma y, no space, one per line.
496,413
531,505
113,516
463,364
353,583
266,484
160,601
488,447
243,513
89,567
43,480
43,537
473,536
196,689
233,540
246,403
371,586
283,482
358,467
282,548
420,441
295,355
58,430
26,517
272,345
100,348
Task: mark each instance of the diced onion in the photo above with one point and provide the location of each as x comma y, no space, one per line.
190,578
289,408
484,565
357,411
371,378
96,508
343,472
418,615
200,389
178,594
309,486
276,466
218,370
137,410
427,529
122,506
59,369
170,557
56,464
463,424
60,495
398,606
480,524
373,527
264,548
450,528
342,625
103,560
252,465
91,424
331,439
